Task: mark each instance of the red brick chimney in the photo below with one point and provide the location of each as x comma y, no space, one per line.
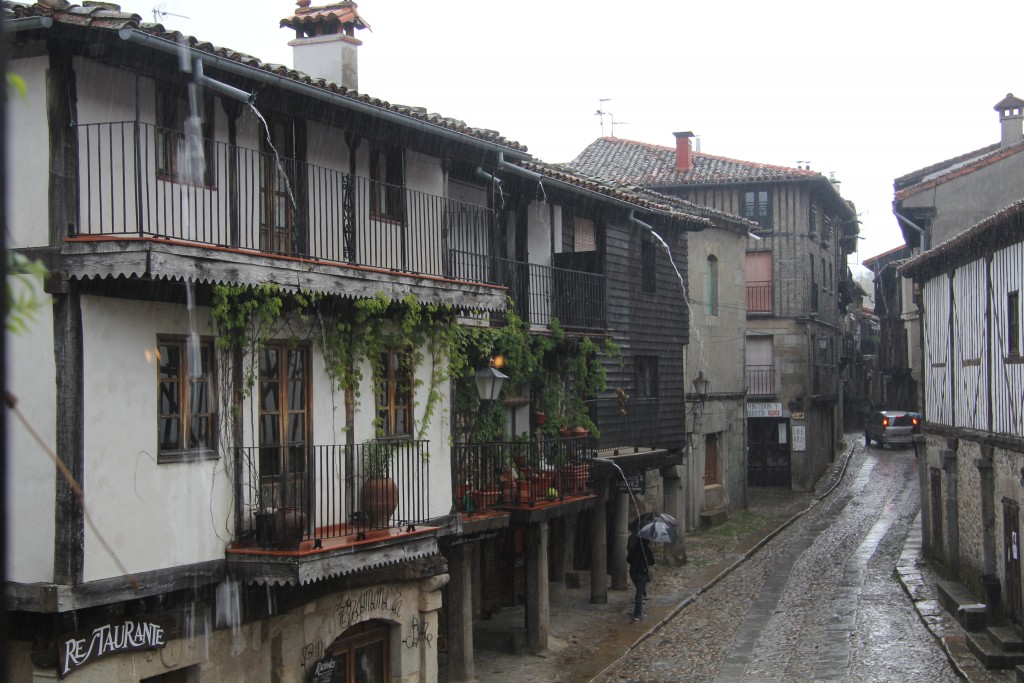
684,151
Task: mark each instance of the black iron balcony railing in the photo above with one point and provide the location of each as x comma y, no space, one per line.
323,491
140,180
628,423
541,293
513,473
760,380
759,297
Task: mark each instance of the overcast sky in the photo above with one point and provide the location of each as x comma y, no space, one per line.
867,90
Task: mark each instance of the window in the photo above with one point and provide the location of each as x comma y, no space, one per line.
186,417
759,282
184,143
712,286
278,170
757,207
1013,323
387,185
584,235
645,371
394,395
648,265
760,366
284,425
812,220
360,654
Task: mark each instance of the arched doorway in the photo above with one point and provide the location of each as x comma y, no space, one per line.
359,655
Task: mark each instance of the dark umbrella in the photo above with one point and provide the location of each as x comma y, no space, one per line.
649,517
657,531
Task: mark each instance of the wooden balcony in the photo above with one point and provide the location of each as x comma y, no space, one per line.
136,182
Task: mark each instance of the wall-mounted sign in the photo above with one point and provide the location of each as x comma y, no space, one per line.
797,416
110,639
764,410
636,481
799,438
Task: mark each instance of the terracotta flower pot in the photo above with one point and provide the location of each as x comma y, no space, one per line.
289,527
380,499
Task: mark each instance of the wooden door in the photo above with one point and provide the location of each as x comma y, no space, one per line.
278,187
1011,558
768,454
710,459
284,426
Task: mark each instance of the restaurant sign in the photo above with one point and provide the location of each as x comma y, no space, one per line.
764,410
111,639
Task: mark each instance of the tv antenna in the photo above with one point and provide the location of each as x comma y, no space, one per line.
602,113
621,123
159,13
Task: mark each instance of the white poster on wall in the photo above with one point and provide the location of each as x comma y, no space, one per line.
799,438
782,432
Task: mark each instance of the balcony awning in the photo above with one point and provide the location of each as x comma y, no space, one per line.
301,568
159,259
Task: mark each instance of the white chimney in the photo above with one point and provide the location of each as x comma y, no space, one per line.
325,45
1011,117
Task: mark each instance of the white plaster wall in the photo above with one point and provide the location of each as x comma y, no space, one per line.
27,138
154,516
104,94
31,379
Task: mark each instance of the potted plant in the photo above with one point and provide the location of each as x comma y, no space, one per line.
380,492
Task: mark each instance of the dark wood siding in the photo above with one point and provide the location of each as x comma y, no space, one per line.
648,324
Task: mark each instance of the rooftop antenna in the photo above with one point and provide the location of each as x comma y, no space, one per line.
621,123
159,13
602,113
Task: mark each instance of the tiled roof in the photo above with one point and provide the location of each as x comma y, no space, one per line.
945,171
640,163
307,19
885,255
108,16
677,209
991,234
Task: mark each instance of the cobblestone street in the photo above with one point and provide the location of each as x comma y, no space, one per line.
820,601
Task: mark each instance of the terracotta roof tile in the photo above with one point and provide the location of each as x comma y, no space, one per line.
102,16
641,163
307,19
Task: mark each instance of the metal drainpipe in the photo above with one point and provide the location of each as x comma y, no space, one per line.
912,224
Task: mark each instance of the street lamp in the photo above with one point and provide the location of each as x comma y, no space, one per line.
702,385
488,383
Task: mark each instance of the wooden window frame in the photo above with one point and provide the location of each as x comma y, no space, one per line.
387,183
711,285
395,374
360,636
183,386
287,468
172,121
645,376
756,205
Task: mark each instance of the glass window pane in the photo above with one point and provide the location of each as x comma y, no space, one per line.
269,399
200,432
270,461
170,361
296,364
169,403
369,663
269,430
296,428
269,363
296,395
199,398
168,433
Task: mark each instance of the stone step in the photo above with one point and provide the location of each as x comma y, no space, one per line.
1006,639
958,602
989,654
1020,673
714,517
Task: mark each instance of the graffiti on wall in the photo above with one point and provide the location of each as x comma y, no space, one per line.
372,603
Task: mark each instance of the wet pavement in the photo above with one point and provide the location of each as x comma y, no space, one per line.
795,588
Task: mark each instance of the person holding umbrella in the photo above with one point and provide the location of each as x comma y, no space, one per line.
640,558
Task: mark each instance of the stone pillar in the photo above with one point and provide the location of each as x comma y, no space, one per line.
952,515
988,511
921,452
460,613
620,537
599,547
537,603
674,503
430,602
565,548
